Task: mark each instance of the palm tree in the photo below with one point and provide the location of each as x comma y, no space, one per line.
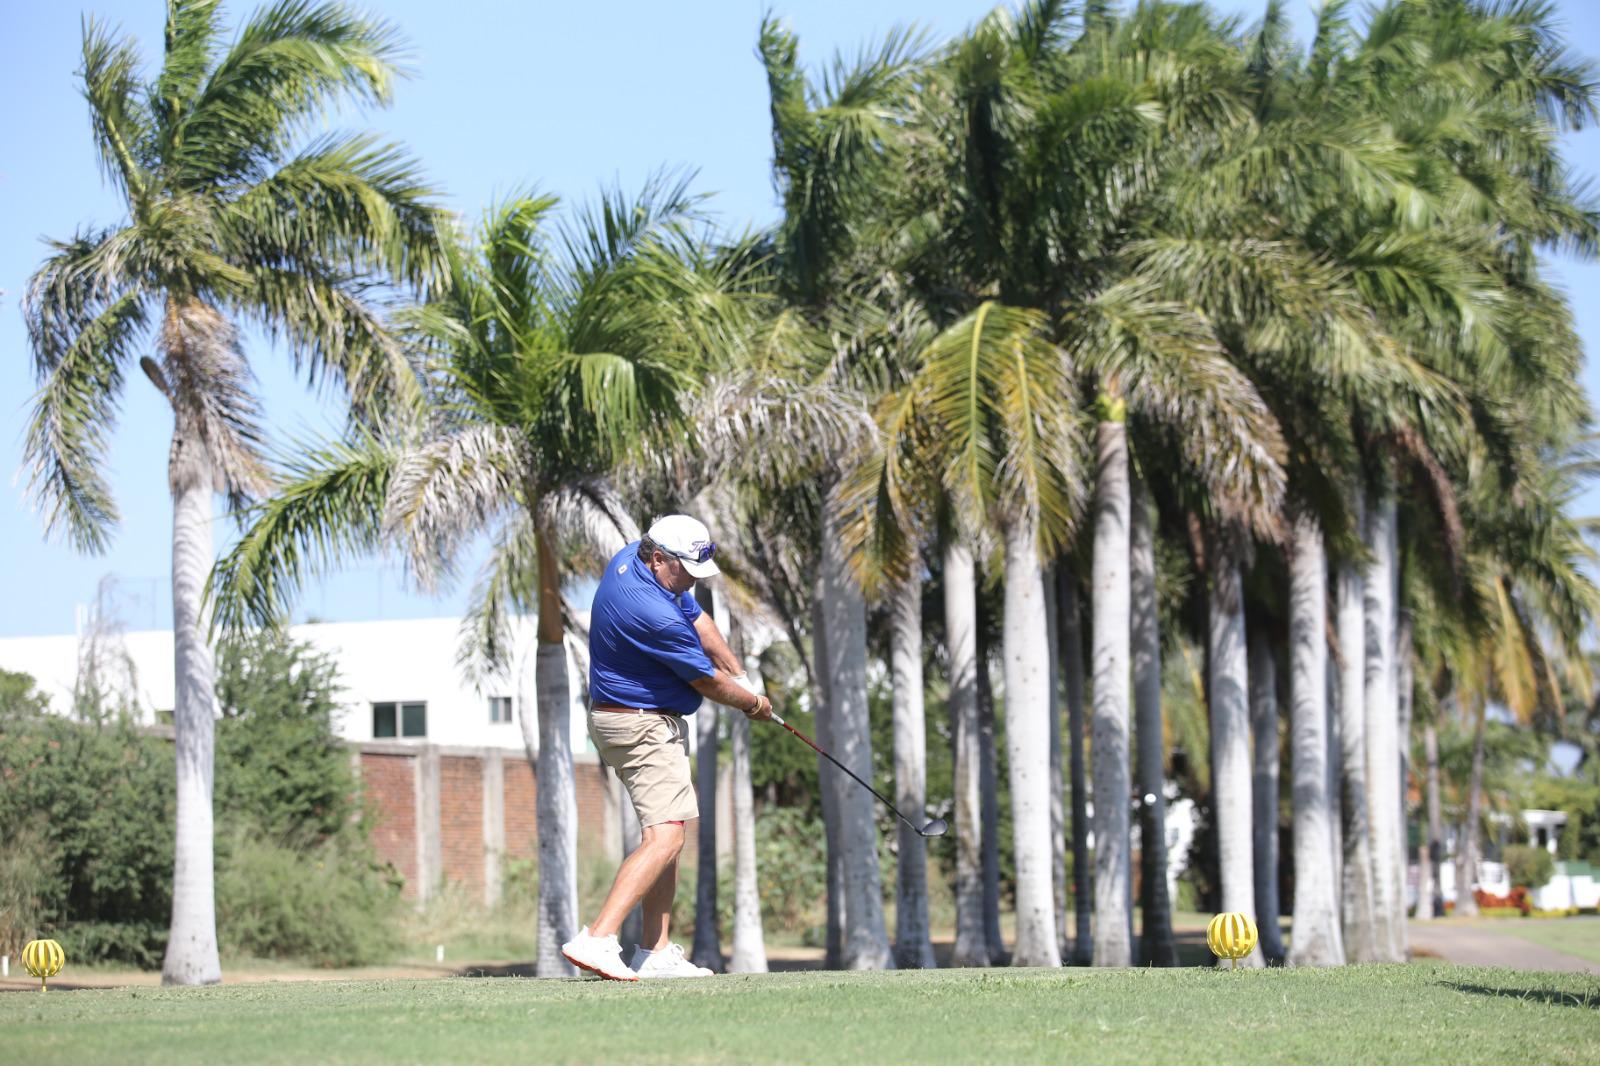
549,362
1111,601
912,945
1264,790
1317,939
749,947
1156,941
1036,141
232,218
1072,671
706,949
834,149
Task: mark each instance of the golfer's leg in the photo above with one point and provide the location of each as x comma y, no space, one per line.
658,849
657,932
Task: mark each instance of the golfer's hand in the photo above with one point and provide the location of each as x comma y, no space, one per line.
762,711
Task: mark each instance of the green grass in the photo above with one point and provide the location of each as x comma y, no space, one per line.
1577,935
1367,1014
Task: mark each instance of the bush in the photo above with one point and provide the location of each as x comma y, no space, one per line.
86,809
1529,866
28,885
280,765
792,868
327,902
86,819
140,944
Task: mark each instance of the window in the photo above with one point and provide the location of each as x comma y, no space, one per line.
499,708
410,718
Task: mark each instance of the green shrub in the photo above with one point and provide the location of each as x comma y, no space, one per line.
86,819
792,869
141,943
280,765
324,901
1528,866
29,885
87,808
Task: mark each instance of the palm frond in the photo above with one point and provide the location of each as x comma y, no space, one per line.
508,586
292,61
118,114
192,36
590,516
1166,361
447,489
326,510
350,202
80,353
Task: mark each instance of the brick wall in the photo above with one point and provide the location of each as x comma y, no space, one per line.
461,831
387,782
522,835
458,833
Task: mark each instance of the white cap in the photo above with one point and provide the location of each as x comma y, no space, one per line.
687,539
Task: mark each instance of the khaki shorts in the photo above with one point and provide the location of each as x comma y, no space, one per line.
650,752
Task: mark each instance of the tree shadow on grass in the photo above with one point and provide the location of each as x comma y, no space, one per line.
1588,999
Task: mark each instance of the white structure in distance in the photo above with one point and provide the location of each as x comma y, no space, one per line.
399,679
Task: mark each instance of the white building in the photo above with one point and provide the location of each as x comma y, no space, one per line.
400,680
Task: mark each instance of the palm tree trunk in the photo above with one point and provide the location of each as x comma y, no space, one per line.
1027,655
749,945
829,781
1403,680
866,940
1112,636
1467,849
961,634
989,805
913,948
191,957
1360,933
1383,752
1072,667
1432,905
706,949
556,795
1331,691
1156,943
1316,939
1228,695
1264,791
1057,786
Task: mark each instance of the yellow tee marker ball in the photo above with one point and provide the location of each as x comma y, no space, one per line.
1231,936
43,959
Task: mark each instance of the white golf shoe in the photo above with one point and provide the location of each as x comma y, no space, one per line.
668,962
598,954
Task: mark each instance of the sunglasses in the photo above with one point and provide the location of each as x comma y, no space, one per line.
701,556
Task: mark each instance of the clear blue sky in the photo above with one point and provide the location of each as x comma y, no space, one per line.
565,96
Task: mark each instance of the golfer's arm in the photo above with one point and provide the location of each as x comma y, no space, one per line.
721,688
717,649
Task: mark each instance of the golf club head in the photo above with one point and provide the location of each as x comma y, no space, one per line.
936,828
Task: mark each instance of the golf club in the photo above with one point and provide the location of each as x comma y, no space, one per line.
936,828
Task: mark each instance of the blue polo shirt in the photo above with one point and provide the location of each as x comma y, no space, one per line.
643,648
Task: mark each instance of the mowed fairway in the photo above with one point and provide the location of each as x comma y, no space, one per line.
1358,1014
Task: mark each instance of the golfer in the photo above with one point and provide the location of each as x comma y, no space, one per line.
654,655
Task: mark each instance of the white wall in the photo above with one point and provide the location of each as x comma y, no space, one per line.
389,661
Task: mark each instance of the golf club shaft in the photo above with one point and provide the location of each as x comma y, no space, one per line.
846,769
